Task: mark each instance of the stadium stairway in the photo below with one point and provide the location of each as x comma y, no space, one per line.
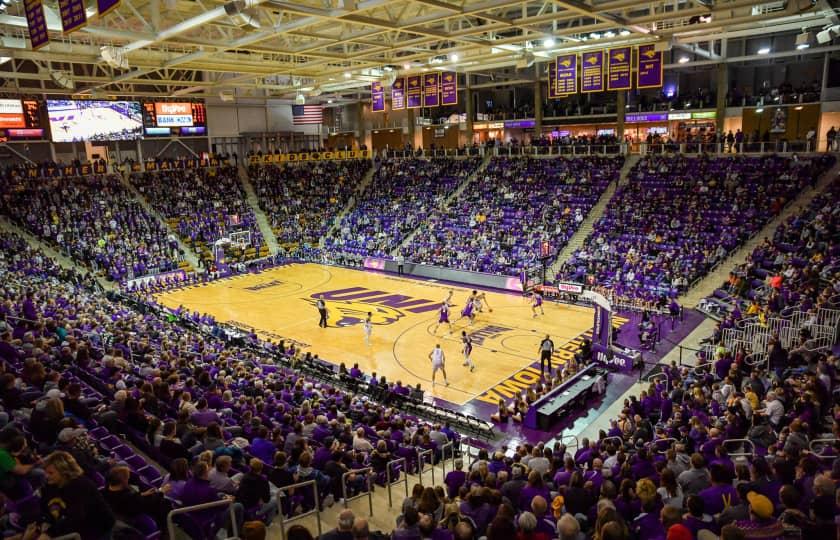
707,285
190,256
262,220
577,239
65,262
460,189
365,182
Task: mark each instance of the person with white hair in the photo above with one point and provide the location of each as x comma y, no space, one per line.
360,442
568,528
344,530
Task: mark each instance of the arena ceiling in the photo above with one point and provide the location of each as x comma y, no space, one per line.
277,48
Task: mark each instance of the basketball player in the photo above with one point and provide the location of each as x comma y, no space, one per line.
481,300
443,317
438,360
467,350
448,299
537,302
368,328
322,310
468,311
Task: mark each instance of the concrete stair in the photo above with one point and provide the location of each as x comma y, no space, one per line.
262,220
707,285
577,240
63,260
452,196
190,256
363,184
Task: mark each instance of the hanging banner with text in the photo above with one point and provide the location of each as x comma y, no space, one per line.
649,74
431,86
106,6
73,15
36,23
618,69
415,92
449,88
377,96
398,95
552,81
566,74
592,72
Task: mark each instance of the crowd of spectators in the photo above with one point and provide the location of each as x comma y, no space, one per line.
94,220
203,206
400,197
499,221
679,216
301,199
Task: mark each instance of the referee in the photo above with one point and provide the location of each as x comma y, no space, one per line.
322,309
546,350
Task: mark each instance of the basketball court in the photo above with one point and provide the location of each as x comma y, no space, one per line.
280,304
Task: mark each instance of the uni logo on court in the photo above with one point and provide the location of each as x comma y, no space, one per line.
350,306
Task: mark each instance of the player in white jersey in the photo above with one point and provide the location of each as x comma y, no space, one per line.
448,299
368,328
438,363
467,350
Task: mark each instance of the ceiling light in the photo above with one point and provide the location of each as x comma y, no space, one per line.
4,59
329,101
625,33
802,46
683,60
583,38
798,108
347,74
763,50
548,43
759,110
453,57
609,34
595,35
495,50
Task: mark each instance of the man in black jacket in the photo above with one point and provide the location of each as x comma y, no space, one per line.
255,493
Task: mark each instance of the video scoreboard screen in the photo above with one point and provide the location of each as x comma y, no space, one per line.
174,118
20,119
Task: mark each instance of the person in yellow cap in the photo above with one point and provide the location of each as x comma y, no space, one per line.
761,525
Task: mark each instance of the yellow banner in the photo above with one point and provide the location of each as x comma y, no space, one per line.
309,156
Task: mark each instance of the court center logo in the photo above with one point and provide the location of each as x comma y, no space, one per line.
349,307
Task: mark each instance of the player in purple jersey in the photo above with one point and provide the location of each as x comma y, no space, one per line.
468,311
443,317
537,303
467,350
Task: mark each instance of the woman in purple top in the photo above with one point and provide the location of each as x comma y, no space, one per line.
534,487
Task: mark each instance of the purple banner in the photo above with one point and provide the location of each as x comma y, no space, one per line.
566,74
646,117
592,72
449,88
431,85
37,24
398,95
649,74
73,15
106,6
520,124
415,92
552,81
602,330
618,69
377,97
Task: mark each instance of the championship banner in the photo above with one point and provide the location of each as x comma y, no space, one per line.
449,88
649,74
73,15
431,85
415,92
37,24
566,74
398,95
552,81
592,72
618,69
106,6
377,96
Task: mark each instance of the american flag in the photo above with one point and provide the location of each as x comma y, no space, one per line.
307,114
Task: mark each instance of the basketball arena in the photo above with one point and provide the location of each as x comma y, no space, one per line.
419,269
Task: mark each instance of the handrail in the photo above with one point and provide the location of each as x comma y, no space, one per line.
742,441
316,510
572,437
369,493
695,369
451,446
614,437
826,443
390,482
170,523
421,470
